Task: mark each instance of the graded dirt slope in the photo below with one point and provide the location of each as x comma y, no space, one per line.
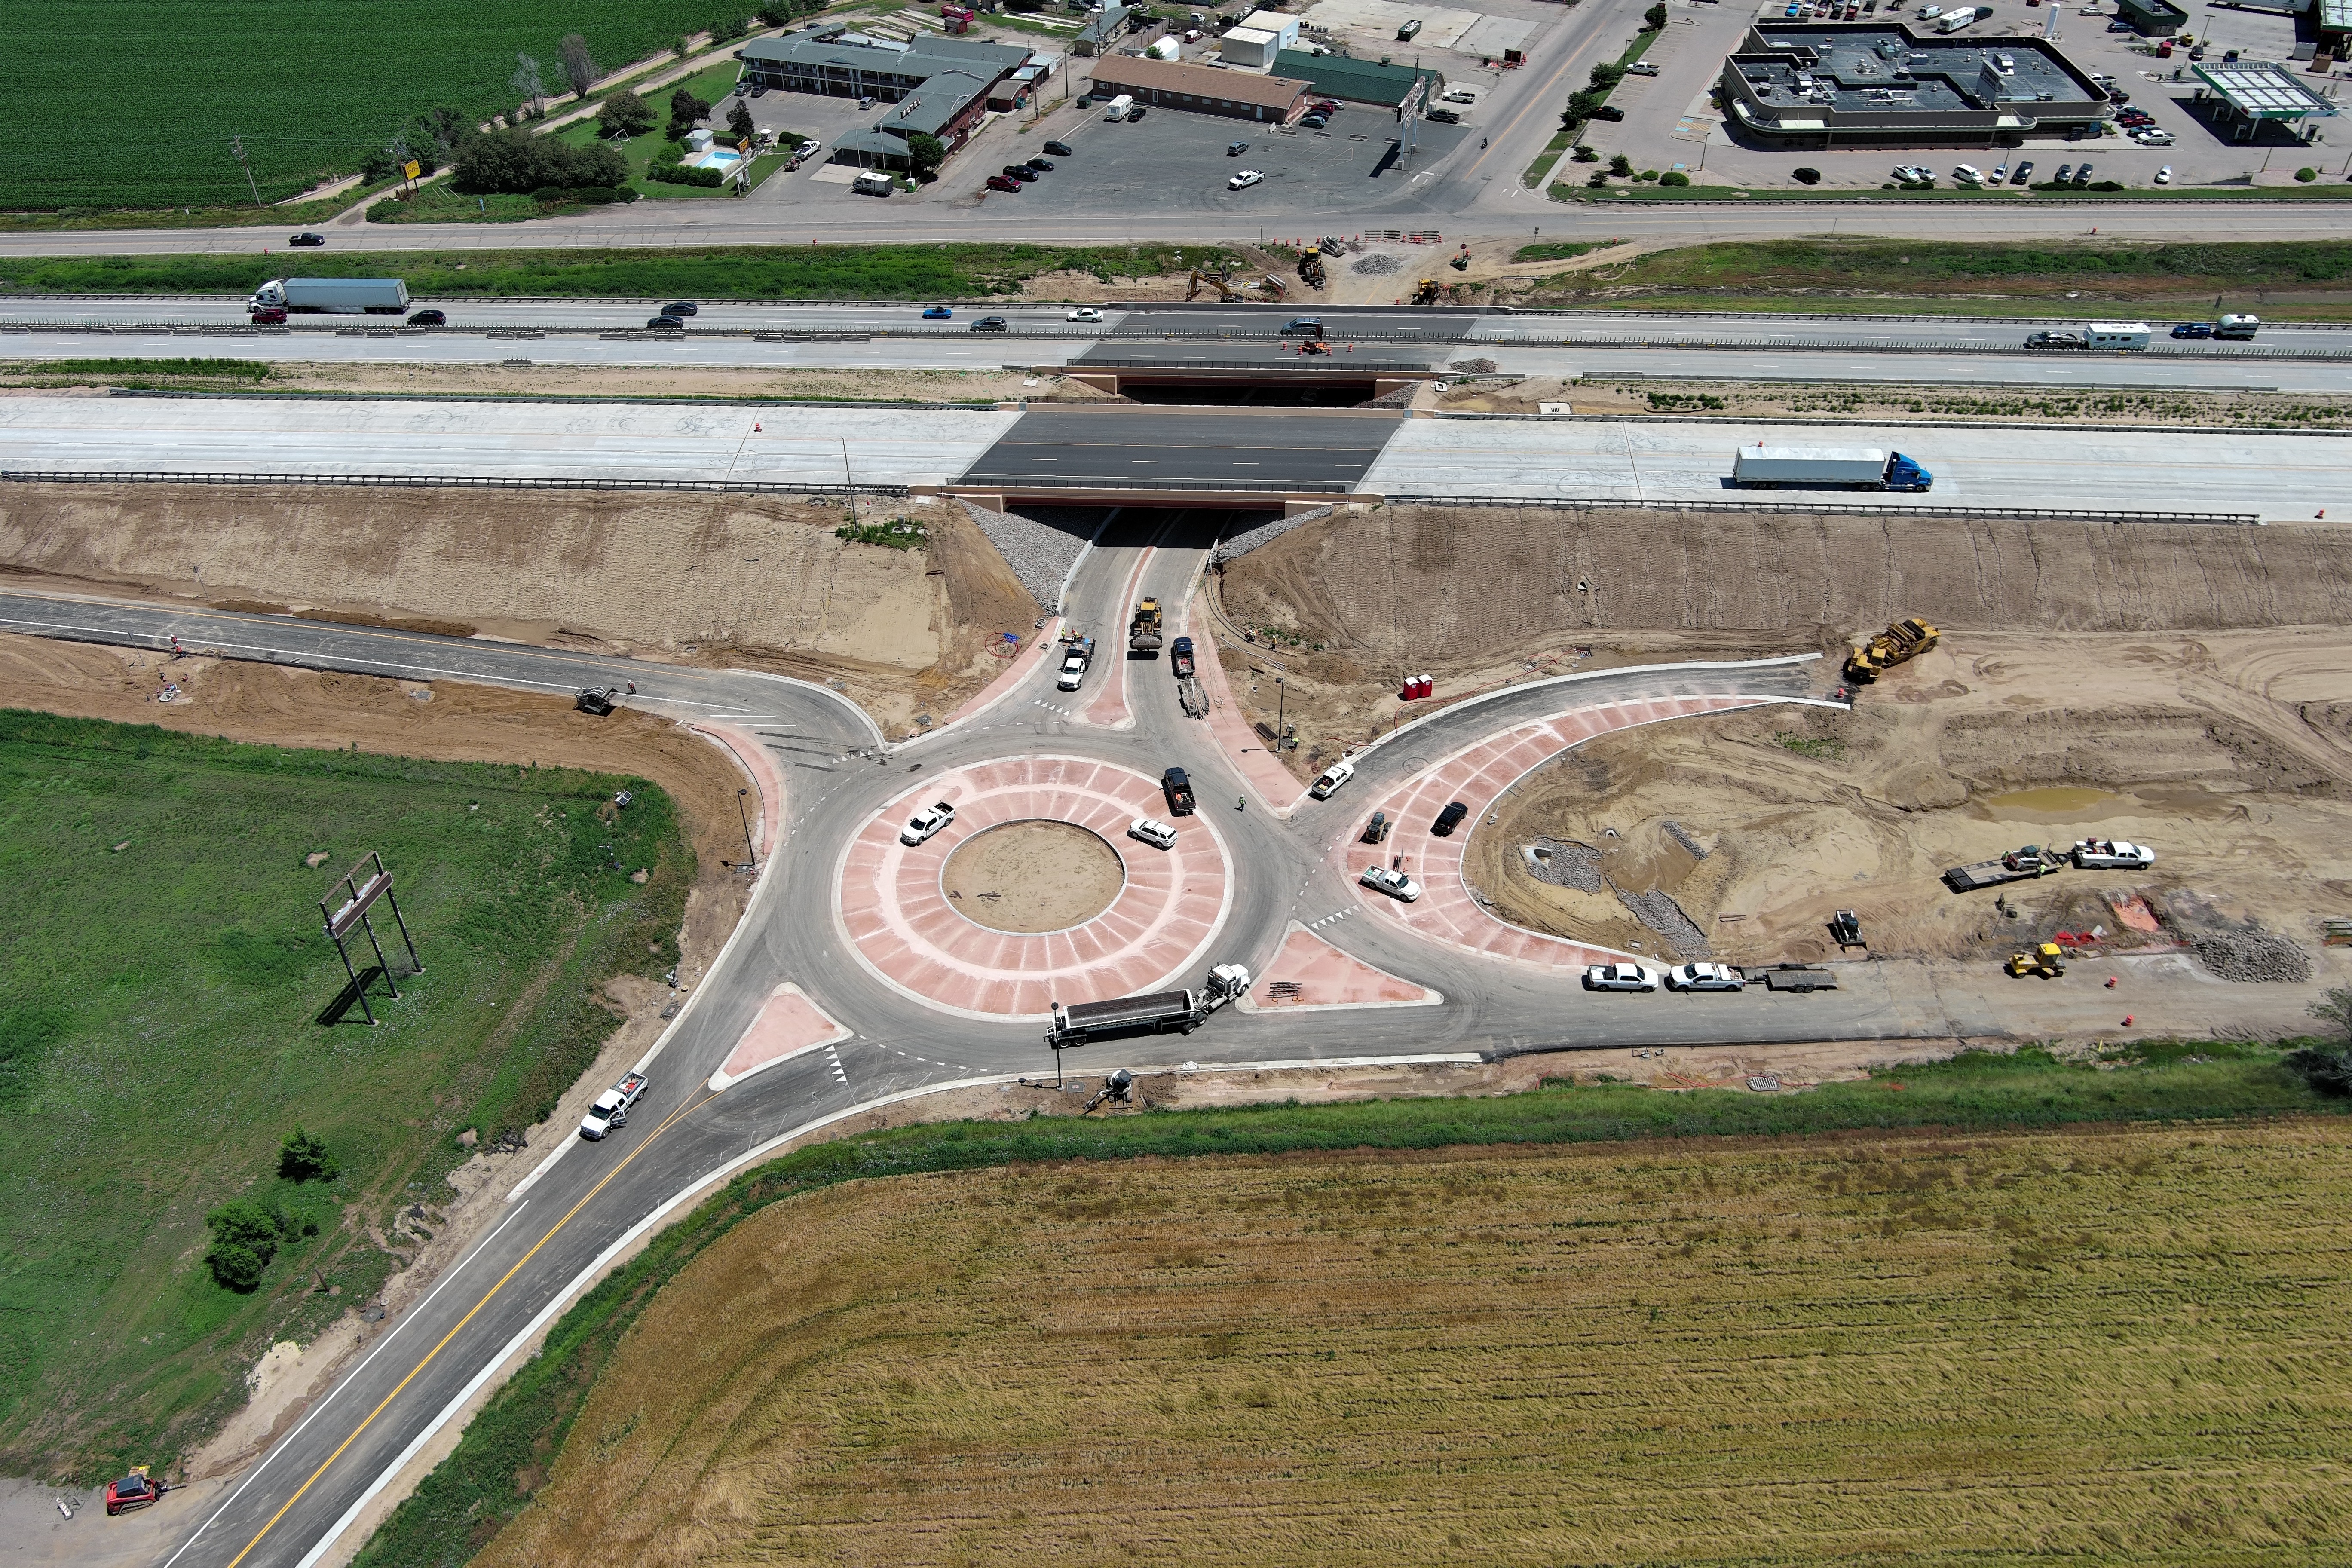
2115,1345
740,579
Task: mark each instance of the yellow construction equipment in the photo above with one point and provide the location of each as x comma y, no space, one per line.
2047,961
1426,294
1311,266
1906,639
1212,281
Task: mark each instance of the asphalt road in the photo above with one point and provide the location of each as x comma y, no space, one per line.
1170,448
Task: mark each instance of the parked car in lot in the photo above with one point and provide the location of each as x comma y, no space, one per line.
1704,977
1019,173
2154,137
1912,173
1152,831
1039,165
1608,111
1443,116
927,823
1620,977
1086,313
2081,174
1639,67
939,313
1244,179
2064,171
999,182
1315,121
1967,173
1395,884
1449,819
1235,149
427,318
1135,113
2164,175
991,324
306,239
1061,148
2024,172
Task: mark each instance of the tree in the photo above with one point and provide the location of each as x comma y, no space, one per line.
1622,166
1653,20
516,162
1579,109
304,1157
624,114
686,112
1605,75
738,121
579,65
924,156
246,1234
526,81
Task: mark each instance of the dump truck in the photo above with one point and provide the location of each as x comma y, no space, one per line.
2017,866
1081,1023
1903,640
1826,468
1180,657
333,296
597,700
1143,630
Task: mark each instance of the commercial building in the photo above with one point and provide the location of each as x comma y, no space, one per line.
1105,28
1358,81
1259,38
2152,18
1876,84
2250,94
942,87
1204,89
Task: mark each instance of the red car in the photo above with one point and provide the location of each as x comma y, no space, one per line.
1324,106
269,316
999,182
132,1492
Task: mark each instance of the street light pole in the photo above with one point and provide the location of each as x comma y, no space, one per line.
744,812
1281,707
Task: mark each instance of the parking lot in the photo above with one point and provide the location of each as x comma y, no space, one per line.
1671,124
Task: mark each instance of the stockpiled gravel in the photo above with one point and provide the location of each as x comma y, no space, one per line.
2251,955
1039,555
1377,264
1249,539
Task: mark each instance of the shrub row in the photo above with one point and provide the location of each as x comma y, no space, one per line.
673,175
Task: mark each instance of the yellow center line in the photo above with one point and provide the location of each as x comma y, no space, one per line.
675,1117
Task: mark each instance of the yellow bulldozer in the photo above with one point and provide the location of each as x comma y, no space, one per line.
1906,639
2048,961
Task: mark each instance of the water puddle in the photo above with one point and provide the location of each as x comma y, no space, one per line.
2051,804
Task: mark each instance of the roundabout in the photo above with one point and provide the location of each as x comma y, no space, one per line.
1014,905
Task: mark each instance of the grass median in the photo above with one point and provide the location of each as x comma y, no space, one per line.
908,273
163,974
512,1449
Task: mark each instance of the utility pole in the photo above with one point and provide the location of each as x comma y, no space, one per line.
744,813
1281,707
236,147
848,483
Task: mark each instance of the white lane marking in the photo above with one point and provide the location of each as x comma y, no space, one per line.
408,1318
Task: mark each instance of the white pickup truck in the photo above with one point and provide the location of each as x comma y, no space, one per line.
926,823
612,1107
2112,853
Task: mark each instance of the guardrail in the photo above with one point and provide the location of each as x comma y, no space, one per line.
1021,484
2011,513
433,481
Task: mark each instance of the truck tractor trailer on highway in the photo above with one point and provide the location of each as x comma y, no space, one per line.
1822,468
1081,1023
333,296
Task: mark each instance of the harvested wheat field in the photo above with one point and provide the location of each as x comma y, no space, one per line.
2121,1346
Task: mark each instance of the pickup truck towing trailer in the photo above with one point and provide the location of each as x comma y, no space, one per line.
333,296
2017,866
1080,1022
1822,469
2112,853
1180,657
1077,653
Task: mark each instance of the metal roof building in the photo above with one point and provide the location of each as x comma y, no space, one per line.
1204,89
1880,84
1358,81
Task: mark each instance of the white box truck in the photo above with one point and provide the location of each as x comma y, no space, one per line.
1822,469
873,183
333,296
2116,335
1118,107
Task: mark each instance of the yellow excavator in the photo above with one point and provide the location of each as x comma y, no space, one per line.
1210,280
1906,641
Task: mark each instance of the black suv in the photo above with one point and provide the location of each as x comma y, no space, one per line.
1449,819
427,318
1304,327
991,324
1060,149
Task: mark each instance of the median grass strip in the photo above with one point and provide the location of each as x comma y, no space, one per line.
512,1448
908,272
1902,275
161,976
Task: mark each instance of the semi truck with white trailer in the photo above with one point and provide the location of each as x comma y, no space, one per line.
1824,468
333,296
1081,1023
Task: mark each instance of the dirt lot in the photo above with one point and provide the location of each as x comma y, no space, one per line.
2230,753
1032,877
754,581
1860,1349
1346,606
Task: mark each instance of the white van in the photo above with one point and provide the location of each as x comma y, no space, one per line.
873,183
2116,335
1338,774
1118,107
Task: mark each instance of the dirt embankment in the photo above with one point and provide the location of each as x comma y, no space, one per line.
740,579
2230,754
1347,607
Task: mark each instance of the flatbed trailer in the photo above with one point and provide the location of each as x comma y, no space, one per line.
2019,866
